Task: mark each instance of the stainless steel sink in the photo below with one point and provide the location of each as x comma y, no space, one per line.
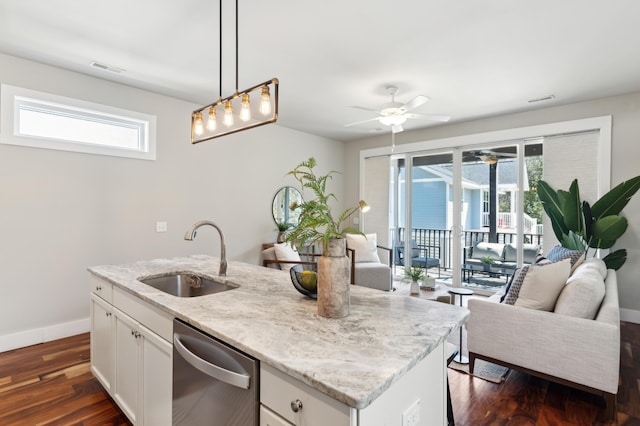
186,284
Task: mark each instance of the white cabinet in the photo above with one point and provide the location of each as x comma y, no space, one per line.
102,353
126,384
131,354
419,394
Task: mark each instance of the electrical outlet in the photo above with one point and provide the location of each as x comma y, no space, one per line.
161,226
411,416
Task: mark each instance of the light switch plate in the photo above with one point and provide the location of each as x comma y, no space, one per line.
161,226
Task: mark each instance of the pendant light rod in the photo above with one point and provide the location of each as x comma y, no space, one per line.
237,46
220,97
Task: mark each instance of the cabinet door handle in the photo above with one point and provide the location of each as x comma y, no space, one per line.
98,288
108,314
296,405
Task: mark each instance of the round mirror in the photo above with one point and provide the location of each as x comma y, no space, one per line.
282,201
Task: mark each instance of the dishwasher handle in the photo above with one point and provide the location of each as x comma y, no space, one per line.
239,380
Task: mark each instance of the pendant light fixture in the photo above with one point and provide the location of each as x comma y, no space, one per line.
253,107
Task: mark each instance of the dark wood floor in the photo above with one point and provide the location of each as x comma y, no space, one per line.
51,384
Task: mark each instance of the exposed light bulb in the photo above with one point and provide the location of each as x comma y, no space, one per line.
198,129
245,110
212,122
228,114
265,101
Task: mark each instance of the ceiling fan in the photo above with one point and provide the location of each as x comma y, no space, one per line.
488,156
393,114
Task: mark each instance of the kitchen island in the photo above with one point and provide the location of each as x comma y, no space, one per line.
353,360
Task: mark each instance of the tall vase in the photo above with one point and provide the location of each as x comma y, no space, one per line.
333,280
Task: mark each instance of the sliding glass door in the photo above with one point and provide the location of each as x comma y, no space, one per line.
434,205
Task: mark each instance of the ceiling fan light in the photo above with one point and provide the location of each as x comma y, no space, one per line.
392,120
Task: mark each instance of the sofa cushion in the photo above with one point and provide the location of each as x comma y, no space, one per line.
529,252
582,295
482,249
285,252
364,247
534,275
542,285
558,253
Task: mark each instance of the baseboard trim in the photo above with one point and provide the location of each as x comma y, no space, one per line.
630,315
44,334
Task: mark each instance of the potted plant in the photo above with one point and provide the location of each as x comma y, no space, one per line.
316,221
415,274
487,261
318,224
581,226
282,231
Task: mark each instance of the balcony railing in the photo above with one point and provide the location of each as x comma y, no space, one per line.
510,221
438,242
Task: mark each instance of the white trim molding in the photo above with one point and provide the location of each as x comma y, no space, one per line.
44,334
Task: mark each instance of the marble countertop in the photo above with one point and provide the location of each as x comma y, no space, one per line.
352,359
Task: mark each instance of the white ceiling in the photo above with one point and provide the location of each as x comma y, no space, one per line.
472,58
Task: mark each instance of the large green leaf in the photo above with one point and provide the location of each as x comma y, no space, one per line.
616,259
572,210
573,241
614,201
607,230
588,221
552,205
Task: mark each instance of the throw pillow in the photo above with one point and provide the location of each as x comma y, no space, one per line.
508,286
558,253
285,252
542,285
585,289
364,247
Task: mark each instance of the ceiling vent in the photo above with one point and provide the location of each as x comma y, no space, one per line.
105,67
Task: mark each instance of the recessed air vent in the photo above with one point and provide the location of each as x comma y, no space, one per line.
105,67
546,98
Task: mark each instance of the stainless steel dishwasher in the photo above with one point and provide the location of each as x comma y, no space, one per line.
213,384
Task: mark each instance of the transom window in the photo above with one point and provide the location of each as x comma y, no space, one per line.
43,120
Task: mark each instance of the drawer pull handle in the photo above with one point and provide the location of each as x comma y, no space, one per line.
98,288
296,405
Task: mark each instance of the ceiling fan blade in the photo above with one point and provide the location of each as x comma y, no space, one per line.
364,108
414,103
502,154
361,122
396,128
432,117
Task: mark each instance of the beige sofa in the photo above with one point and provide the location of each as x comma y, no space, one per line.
567,348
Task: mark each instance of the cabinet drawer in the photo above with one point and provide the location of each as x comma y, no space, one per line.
101,288
151,317
278,391
269,418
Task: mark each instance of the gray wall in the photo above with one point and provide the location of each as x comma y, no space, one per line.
625,158
61,212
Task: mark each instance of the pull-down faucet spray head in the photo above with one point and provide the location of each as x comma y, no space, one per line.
191,234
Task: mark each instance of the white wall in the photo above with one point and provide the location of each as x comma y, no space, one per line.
625,164
61,212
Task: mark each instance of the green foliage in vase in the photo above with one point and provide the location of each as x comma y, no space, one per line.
316,221
487,259
283,226
413,273
580,226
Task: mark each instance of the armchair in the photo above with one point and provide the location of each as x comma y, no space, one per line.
417,260
366,268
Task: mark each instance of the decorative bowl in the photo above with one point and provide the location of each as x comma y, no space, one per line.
296,279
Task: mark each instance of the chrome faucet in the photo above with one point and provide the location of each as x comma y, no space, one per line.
191,234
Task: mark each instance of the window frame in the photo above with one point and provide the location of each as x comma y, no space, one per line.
13,97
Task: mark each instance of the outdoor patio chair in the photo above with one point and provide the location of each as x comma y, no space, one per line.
416,259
